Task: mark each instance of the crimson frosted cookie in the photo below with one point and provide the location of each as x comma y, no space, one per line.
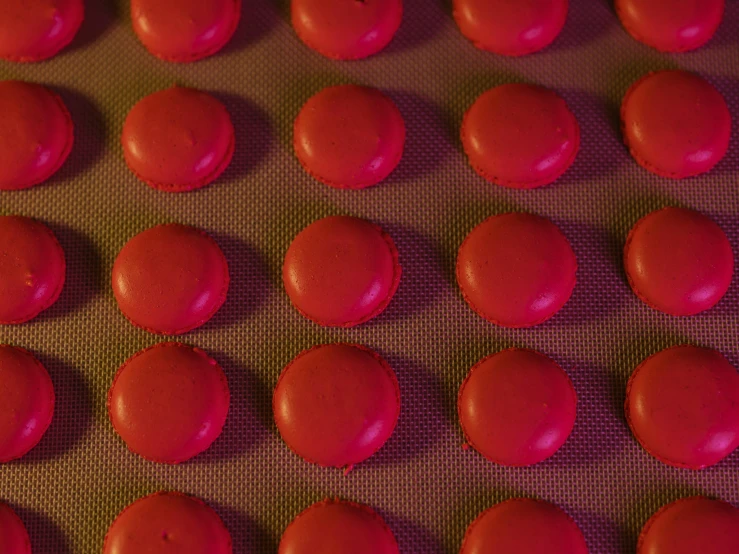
349,136
36,134
338,527
524,525
336,404
516,269
678,261
510,28
682,405
166,522
170,279
517,407
346,30
178,139
184,30
691,525
32,268
13,535
34,30
675,124
341,271
26,402
520,136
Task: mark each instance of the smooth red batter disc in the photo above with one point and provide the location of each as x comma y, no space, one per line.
675,124
516,269
13,535
336,404
169,402
338,527
346,29
671,25
170,279
178,139
341,271
510,28
32,268
34,30
26,402
682,405
517,407
520,136
691,525
523,526
36,134
678,261
349,136
165,523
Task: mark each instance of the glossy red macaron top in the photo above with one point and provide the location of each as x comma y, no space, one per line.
13,535
36,134
338,527
178,139
167,522
675,123
678,261
349,136
682,405
520,136
170,279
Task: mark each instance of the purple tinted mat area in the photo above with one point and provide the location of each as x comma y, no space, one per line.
69,488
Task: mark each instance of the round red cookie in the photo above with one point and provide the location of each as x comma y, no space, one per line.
517,407
510,28
349,137
520,136
338,527
682,405
675,124
516,269
169,402
170,279
13,535
184,30
32,268
678,261
341,271
336,404
26,402
34,30
346,30
671,25
36,134
178,139
167,522
690,525
522,525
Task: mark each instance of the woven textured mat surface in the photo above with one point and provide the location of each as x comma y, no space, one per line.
69,488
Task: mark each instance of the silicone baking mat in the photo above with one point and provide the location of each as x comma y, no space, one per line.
69,488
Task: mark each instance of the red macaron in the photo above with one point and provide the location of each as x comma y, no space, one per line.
675,124
682,405
13,535
678,261
178,139
349,137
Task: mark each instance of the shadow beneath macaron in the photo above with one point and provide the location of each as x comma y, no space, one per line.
100,17
727,306
247,536
411,536
46,536
728,166
258,19
422,22
586,22
602,534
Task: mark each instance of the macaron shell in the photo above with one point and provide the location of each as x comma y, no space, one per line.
36,134
34,30
13,535
178,139
349,136
520,136
167,522
184,30
682,405
26,402
678,261
338,527
346,30
675,124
